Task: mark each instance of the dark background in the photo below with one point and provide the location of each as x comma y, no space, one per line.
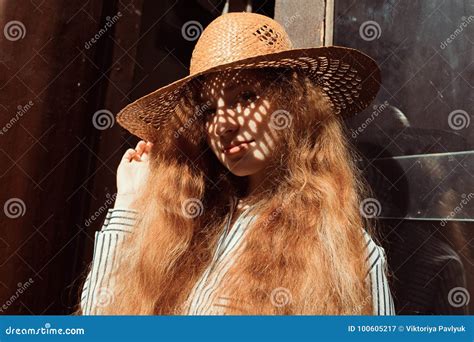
57,165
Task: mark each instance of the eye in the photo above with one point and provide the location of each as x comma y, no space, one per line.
245,97
207,112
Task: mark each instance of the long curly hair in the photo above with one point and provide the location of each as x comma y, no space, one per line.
307,240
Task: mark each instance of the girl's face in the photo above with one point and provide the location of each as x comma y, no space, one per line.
239,121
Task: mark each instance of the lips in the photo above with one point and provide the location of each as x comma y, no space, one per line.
236,146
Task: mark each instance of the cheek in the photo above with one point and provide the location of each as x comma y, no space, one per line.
210,137
263,119
254,126
209,127
255,117
265,109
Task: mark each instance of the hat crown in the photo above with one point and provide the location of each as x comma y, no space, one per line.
235,36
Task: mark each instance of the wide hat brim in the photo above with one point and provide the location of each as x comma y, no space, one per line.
349,78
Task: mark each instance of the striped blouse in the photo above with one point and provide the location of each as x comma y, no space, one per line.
97,290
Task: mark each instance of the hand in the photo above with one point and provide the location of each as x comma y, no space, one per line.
132,174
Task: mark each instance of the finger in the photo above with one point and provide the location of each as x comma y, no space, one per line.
140,147
136,157
128,155
148,147
145,156
147,151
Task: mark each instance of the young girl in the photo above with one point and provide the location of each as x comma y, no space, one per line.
244,198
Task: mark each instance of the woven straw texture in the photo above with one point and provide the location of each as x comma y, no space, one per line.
349,78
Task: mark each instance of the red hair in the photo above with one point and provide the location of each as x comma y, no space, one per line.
307,242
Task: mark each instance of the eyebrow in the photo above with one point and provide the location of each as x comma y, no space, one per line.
229,88
232,86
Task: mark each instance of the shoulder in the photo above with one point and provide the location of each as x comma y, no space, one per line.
376,255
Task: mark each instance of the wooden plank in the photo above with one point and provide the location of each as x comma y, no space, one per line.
329,23
45,72
304,20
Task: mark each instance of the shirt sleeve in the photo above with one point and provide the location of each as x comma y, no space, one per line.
381,295
97,290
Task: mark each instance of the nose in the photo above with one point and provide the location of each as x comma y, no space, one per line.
226,124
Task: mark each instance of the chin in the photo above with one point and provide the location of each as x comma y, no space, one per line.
240,173
244,170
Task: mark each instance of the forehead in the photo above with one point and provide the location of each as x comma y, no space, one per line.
217,84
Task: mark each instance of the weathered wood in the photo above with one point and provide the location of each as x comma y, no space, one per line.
53,78
304,20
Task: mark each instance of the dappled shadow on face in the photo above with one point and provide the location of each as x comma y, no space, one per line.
242,120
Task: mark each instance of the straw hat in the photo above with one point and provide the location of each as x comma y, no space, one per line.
246,40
